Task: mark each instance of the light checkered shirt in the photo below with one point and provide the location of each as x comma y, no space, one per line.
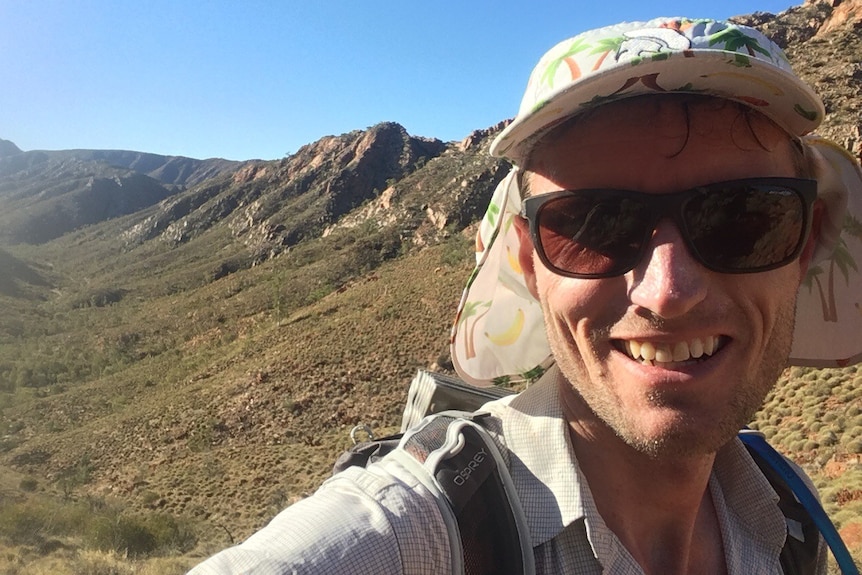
380,520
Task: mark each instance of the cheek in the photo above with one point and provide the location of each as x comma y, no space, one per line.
580,309
771,301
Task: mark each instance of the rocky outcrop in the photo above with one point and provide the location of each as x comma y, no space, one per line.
191,213
326,180
446,194
270,206
842,13
479,137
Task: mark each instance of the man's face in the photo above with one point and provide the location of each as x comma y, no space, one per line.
668,301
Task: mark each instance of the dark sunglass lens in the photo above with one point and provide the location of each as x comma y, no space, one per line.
746,227
588,234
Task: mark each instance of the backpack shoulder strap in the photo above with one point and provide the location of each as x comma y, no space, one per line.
802,511
460,460
365,453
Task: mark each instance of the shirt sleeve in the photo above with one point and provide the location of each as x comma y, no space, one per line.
374,521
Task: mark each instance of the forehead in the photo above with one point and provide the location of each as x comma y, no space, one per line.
662,143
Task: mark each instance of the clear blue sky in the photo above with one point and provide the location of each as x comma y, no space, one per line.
253,79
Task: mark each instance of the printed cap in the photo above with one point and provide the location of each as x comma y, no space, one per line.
665,55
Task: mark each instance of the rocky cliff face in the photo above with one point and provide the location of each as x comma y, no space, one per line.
447,194
270,206
843,12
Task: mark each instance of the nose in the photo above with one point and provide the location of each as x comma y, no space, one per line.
668,281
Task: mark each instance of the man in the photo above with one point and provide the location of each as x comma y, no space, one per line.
640,265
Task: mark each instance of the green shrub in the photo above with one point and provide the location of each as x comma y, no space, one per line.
149,498
9,443
797,372
138,536
795,446
169,533
828,438
97,524
23,524
126,535
456,251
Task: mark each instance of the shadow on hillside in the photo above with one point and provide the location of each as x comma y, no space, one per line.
14,272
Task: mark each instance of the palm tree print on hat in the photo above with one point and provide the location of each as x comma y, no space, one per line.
734,39
471,310
840,259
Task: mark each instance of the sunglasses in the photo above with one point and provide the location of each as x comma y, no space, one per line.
740,226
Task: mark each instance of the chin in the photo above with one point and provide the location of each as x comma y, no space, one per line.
680,435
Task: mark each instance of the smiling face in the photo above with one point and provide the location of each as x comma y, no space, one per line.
670,357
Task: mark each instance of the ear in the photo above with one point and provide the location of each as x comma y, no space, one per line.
811,242
525,254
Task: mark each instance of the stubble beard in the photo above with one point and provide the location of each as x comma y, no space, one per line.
685,437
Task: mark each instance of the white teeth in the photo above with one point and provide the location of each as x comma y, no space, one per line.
647,351
709,345
680,351
663,354
650,353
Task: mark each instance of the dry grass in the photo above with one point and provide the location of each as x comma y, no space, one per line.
242,412
23,561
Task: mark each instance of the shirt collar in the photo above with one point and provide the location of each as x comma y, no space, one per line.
747,506
543,477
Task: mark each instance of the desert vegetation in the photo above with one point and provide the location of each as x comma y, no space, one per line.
159,427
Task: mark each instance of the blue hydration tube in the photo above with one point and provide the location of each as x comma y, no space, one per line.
756,441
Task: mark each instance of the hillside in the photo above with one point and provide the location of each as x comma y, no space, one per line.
185,344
